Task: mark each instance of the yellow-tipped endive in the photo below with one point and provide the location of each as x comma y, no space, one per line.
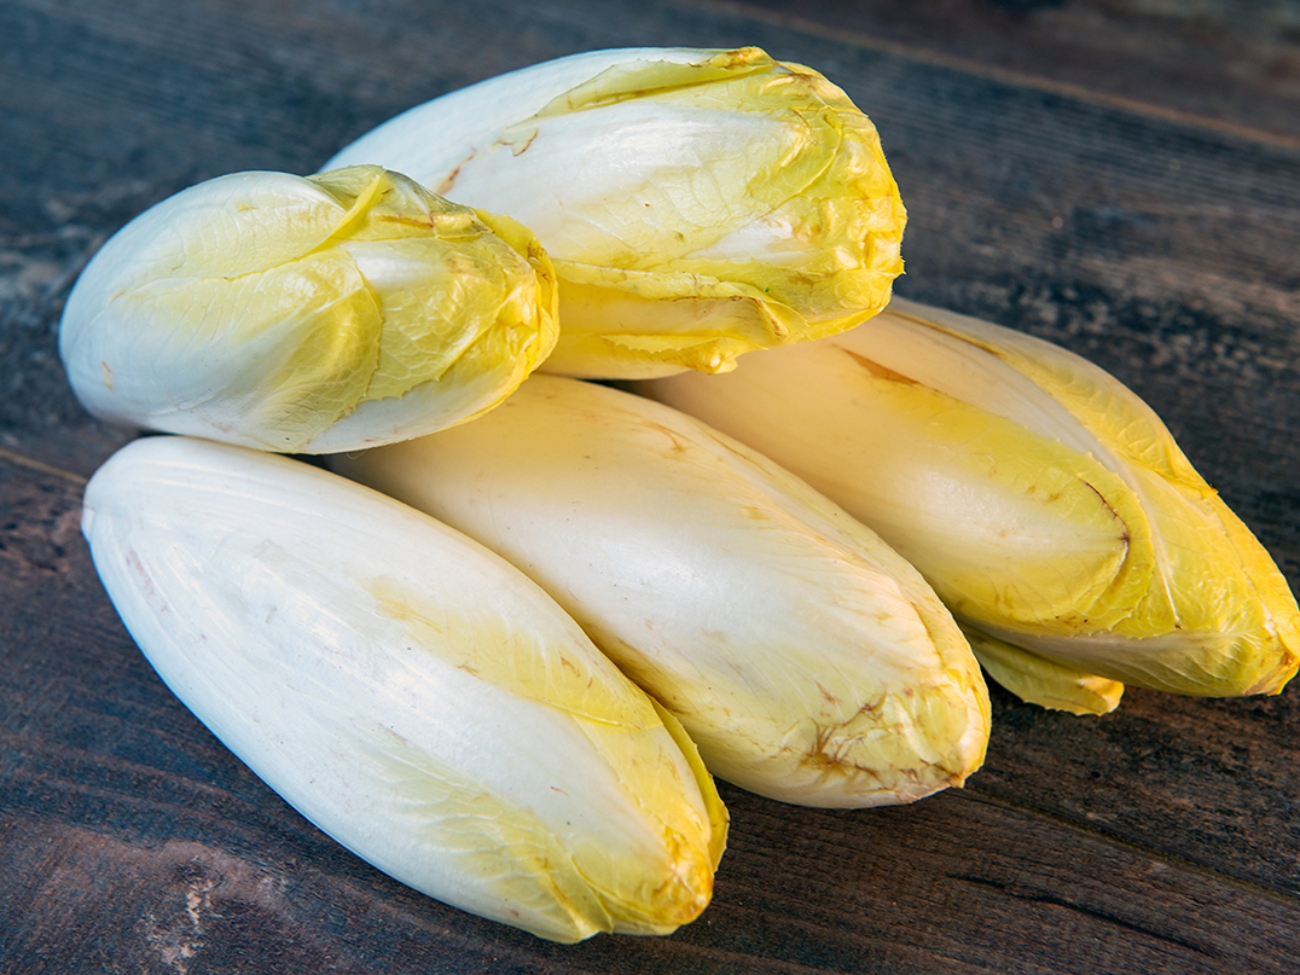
808,661
308,314
697,204
1046,503
408,691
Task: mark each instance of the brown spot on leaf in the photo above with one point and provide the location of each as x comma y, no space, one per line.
879,371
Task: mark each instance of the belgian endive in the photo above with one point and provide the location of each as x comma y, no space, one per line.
697,203
808,661
307,314
409,692
1048,505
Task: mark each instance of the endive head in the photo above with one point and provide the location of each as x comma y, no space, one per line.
308,314
1047,504
807,660
697,204
410,693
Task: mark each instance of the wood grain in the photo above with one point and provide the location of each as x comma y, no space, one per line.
1231,62
1158,839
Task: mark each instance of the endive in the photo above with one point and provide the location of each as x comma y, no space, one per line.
307,314
806,659
697,203
1047,504
409,692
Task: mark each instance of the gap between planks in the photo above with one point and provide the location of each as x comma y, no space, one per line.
971,66
973,793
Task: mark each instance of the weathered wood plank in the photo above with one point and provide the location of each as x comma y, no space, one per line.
1214,783
130,831
1231,61
1157,839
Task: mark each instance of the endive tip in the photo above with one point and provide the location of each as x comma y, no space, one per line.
718,816
899,761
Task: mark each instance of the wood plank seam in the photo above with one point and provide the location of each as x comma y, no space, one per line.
1092,912
992,72
974,793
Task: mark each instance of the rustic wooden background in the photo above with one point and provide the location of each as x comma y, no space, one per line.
1123,178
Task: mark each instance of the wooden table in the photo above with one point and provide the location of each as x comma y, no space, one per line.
1153,227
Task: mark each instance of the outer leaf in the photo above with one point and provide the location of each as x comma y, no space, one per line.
1041,681
808,661
409,692
697,204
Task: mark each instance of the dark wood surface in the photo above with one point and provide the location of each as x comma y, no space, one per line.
1123,179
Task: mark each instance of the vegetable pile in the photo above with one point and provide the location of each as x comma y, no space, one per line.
502,645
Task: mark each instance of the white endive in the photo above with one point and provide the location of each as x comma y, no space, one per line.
697,204
808,661
1046,503
409,692
307,314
